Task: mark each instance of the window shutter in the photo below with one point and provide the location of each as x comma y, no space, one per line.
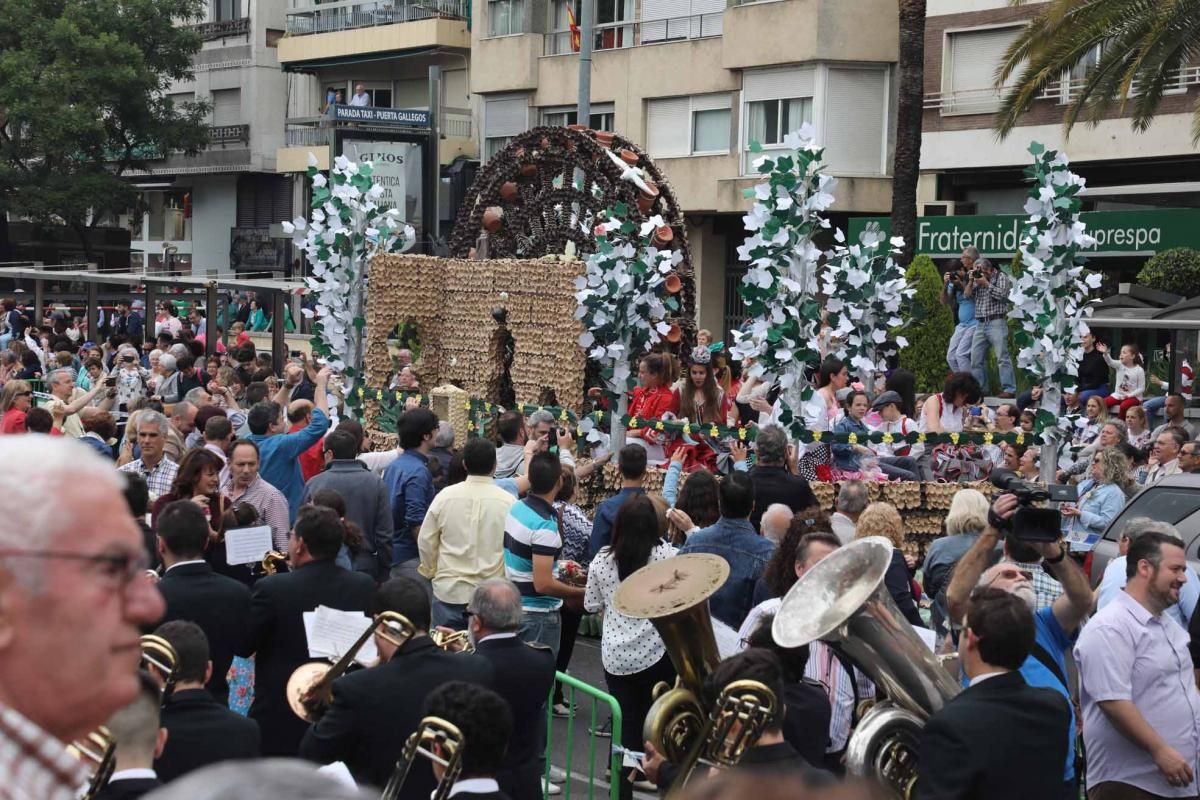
975,56
664,19
776,84
855,120
707,17
506,116
227,107
668,127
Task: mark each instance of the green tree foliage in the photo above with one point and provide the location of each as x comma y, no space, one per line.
82,101
925,355
1176,271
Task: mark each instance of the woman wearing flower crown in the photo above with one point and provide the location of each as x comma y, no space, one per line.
703,403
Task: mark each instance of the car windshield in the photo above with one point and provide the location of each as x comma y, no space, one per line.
1171,505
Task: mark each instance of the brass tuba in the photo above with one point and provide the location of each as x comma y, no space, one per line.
310,687
271,562
843,602
673,594
448,739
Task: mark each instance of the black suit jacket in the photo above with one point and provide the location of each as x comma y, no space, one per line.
127,788
277,638
523,675
201,731
997,740
375,710
777,485
806,719
219,605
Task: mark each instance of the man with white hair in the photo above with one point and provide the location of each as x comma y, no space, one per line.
67,401
168,384
852,499
72,580
1056,626
154,466
775,522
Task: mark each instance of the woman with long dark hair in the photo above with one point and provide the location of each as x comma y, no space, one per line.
633,654
199,480
704,404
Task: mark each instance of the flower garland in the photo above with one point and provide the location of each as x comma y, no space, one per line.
780,286
626,294
1051,296
345,229
866,289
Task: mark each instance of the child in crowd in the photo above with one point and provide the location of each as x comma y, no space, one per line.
898,459
1028,418
1131,377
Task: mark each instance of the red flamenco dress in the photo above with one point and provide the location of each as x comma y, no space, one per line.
652,404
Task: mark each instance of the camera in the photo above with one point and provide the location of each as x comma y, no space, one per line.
1030,523
976,274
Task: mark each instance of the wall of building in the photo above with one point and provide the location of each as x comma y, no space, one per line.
214,214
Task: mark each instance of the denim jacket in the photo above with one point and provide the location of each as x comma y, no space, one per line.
845,456
736,541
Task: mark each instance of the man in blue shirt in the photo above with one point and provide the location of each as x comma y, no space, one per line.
410,485
1114,579
960,290
735,540
279,452
632,463
1055,627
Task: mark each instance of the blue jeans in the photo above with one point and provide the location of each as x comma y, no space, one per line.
1153,405
543,627
452,615
992,334
958,352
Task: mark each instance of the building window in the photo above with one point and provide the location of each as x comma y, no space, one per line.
225,9
227,107
674,20
506,17
379,94
771,120
601,118
503,119
613,26
685,126
971,61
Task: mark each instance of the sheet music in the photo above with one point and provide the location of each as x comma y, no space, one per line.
332,632
247,545
728,641
340,773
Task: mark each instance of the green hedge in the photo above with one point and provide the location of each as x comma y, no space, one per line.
929,337
1176,271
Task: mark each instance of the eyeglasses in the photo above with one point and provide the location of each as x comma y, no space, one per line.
1013,574
23,394
121,569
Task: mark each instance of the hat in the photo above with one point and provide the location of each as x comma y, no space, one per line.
886,398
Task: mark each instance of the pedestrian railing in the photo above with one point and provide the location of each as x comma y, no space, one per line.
595,701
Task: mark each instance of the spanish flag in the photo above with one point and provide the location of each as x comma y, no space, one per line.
574,25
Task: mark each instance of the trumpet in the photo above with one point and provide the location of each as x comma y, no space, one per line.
454,642
159,658
272,561
432,732
99,749
310,687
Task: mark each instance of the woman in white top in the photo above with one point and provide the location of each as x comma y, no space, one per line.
633,654
1131,377
943,413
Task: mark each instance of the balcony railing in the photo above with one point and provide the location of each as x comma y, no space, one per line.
210,31
344,16
318,131
619,35
229,134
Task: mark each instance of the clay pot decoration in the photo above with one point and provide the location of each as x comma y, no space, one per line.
629,157
673,283
675,334
645,203
528,170
605,138
493,219
508,191
663,235
577,127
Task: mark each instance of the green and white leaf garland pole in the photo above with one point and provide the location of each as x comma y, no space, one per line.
625,298
1051,297
345,229
781,284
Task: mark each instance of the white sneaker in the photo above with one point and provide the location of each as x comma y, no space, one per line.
561,710
557,774
552,788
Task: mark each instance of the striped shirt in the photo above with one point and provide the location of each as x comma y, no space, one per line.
159,480
531,529
33,764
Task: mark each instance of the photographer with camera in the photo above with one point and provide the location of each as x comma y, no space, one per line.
991,288
959,291
1056,626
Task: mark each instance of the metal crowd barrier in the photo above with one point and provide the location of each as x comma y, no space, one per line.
573,687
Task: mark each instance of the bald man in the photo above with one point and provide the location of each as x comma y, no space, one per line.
312,460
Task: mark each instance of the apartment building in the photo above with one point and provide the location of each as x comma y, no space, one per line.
210,214
695,81
1142,187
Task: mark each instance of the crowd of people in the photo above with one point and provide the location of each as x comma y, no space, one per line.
151,455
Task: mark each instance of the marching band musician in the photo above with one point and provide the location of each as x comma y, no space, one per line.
277,609
139,740
375,710
486,724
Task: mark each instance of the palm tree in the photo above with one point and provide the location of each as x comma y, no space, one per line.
910,97
1142,43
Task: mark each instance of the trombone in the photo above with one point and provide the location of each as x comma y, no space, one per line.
310,687
99,749
442,743
160,659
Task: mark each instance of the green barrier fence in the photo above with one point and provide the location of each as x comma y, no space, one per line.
572,688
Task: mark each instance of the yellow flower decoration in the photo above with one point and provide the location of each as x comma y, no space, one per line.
467,405
687,429
713,431
741,434
987,438
1021,438
633,423
954,437
579,430
658,426
470,425
816,436
399,397
887,438
420,400
563,415
921,437
853,438
379,394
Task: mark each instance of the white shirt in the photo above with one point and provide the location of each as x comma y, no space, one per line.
363,99
181,563
474,786
132,774
628,645
843,527
983,677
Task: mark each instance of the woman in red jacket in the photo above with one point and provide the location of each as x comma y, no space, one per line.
653,398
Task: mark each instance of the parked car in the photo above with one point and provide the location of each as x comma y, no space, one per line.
1175,500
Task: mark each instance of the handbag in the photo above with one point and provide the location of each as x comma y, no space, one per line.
953,463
